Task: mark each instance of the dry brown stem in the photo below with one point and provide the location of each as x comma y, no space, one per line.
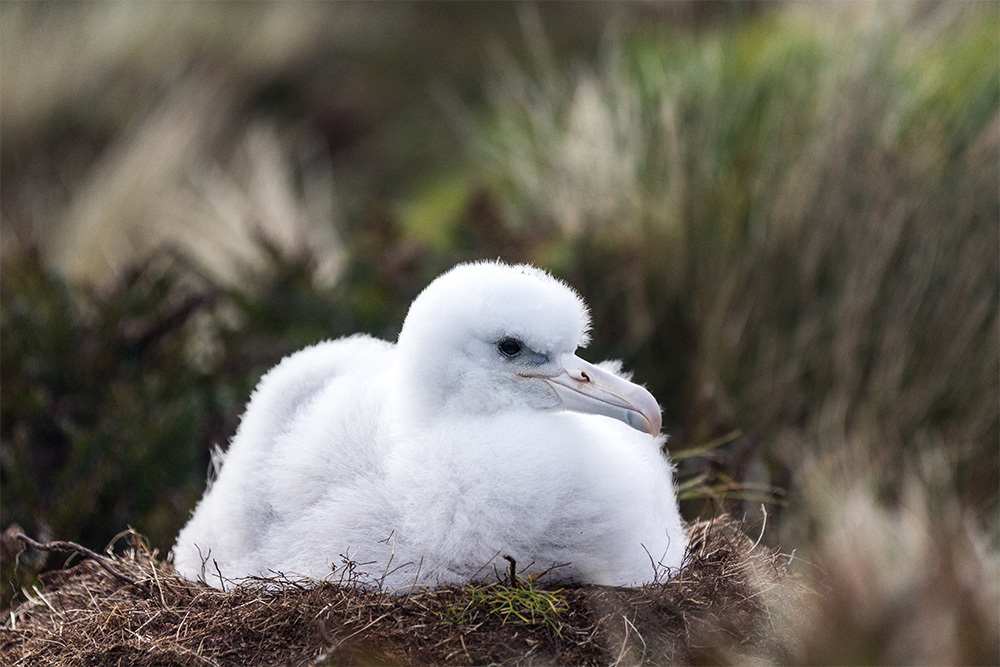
59,545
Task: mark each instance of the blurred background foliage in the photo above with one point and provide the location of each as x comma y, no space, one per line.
784,217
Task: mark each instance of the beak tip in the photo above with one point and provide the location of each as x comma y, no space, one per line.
654,422
656,425
647,422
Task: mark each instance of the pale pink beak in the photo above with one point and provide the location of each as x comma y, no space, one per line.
583,387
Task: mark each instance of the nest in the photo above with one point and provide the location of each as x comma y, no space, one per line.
720,608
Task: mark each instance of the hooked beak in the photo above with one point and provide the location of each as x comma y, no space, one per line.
583,387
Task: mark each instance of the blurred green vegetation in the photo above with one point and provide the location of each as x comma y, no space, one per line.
785,220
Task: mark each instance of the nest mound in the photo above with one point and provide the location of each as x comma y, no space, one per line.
719,608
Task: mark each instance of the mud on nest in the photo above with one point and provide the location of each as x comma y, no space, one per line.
722,607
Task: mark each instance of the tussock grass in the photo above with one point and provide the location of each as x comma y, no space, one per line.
917,583
801,227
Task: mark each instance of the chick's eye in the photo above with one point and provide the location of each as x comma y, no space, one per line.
510,347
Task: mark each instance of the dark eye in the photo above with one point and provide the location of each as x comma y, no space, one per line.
510,347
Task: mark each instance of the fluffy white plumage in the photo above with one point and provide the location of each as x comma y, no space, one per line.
425,461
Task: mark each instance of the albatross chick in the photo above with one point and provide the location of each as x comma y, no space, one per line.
480,433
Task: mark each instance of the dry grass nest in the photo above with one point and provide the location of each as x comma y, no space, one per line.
721,607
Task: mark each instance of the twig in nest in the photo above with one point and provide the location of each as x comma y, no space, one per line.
86,553
513,570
